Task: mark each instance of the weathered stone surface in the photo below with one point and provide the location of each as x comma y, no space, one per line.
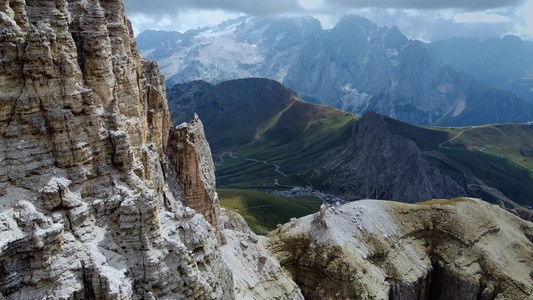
196,170
95,186
462,248
90,205
256,274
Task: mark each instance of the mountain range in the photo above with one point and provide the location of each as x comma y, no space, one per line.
356,66
102,198
264,136
504,63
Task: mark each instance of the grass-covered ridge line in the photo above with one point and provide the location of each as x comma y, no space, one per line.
489,160
442,201
486,160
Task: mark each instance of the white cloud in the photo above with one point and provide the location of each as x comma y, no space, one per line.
524,27
311,4
480,17
191,19
421,19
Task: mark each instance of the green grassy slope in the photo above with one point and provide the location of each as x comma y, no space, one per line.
315,138
489,159
256,125
263,211
486,160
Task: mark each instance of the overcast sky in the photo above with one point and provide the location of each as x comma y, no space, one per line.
427,20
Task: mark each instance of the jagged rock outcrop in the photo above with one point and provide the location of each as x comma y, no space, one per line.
256,273
462,248
91,206
377,164
522,212
195,169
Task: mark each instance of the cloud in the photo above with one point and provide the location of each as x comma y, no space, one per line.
469,5
435,25
418,19
479,17
182,22
524,24
257,8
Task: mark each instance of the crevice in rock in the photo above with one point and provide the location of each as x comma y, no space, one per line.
68,221
444,284
113,147
74,29
163,171
88,288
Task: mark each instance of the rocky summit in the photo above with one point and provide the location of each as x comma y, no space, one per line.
101,198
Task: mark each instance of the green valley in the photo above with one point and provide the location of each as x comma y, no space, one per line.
263,136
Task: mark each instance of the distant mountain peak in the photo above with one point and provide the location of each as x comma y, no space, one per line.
353,21
356,66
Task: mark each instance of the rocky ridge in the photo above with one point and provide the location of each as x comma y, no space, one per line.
462,248
483,60
256,273
365,162
93,203
375,164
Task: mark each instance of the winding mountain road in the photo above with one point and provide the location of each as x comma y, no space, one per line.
326,198
459,134
481,149
276,166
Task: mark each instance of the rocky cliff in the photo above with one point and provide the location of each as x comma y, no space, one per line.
195,170
94,194
483,60
462,248
256,273
358,66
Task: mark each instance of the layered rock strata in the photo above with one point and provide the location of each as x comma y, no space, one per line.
91,204
97,192
195,169
462,248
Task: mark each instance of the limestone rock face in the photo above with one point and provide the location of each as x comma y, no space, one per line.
256,273
196,170
462,248
90,205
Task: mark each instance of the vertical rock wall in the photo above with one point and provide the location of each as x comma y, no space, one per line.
196,170
90,205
